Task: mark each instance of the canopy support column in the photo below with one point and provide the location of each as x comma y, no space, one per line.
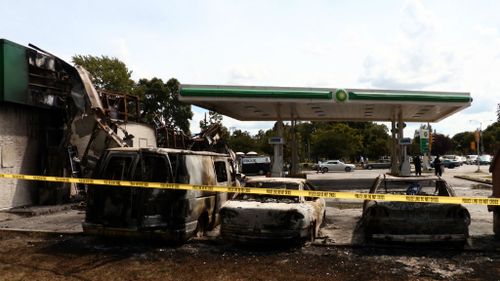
404,166
394,145
277,169
295,155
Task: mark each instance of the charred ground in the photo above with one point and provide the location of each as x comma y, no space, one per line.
32,256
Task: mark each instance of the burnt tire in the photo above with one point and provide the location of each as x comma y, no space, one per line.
201,226
496,224
312,232
323,222
347,169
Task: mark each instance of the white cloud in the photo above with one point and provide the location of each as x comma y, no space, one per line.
420,20
247,74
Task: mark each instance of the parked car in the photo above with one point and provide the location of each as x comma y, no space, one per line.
446,162
454,161
471,159
267,218
484,159
414,222
450,163
377,165
462,159
335,165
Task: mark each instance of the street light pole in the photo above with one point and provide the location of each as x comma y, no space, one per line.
478,140
479,147
479,137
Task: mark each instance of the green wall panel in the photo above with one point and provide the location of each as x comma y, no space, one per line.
13,73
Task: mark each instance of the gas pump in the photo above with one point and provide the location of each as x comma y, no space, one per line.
405,162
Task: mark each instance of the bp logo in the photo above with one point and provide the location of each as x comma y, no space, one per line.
341,95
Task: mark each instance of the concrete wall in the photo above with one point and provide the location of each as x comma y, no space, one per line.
19,153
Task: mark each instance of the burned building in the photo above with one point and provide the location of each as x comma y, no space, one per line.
52,120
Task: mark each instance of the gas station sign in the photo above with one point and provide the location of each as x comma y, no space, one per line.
424,140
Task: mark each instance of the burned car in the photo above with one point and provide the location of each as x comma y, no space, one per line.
174,215
268,218
414,222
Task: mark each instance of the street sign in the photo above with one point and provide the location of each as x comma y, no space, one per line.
276,140
405,141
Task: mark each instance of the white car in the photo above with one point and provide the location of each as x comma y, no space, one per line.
271,218
335,165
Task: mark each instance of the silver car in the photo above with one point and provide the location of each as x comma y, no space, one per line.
335,165
268,218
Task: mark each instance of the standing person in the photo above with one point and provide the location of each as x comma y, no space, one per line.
438,170
418,165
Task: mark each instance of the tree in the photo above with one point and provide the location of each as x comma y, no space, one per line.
498,112
109,74
241,141
262,141
375,138
340,141
213,118
461,143
441,144
161,99
491,138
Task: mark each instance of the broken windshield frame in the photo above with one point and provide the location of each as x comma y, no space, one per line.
264,198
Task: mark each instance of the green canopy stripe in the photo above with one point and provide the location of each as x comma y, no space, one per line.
409,97
255,93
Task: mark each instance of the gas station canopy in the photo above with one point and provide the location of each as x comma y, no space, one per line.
334,104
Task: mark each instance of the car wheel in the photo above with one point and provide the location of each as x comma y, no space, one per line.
312,232
496,223
323,222
347,169
202,225
369,167
324,169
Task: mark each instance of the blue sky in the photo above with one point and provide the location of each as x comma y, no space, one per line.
408,45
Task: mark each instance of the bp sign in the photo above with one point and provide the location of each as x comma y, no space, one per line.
341,95
424,141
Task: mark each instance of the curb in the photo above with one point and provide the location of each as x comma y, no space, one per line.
476,179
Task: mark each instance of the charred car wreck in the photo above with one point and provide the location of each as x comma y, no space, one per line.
159,213
267,218
414,222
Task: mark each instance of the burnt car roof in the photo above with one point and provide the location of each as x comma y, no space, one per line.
443,188
387,177
276,179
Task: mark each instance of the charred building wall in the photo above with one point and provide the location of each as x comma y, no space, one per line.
26,136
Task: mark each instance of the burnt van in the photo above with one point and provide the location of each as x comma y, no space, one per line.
157,213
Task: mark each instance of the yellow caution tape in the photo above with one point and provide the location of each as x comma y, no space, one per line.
266,191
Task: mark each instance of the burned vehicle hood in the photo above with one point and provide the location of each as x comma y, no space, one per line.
414,210
415,218
266,214
412,207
